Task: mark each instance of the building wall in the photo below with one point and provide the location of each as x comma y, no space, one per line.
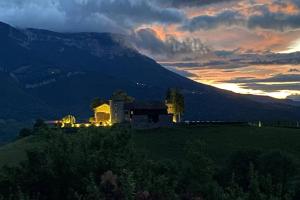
142,121
117,112
102,117
114,113
102,114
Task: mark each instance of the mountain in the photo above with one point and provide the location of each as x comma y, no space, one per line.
16,103
49,74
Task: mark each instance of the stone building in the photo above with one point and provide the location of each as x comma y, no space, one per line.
138,114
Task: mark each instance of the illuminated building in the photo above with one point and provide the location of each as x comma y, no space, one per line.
147,114
138,114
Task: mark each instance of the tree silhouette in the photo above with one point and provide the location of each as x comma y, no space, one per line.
121,95
96,102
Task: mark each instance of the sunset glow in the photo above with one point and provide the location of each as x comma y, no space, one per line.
294,47
282,94
254,79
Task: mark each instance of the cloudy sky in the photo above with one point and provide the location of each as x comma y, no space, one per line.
205,40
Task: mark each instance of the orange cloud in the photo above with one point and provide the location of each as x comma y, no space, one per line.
221,77
229,38
163,31
285,8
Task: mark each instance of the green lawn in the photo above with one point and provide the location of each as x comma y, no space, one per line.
13,153
9,129
221,140
169,143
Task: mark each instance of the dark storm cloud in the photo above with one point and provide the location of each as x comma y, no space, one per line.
274,20
273,84
296,2
277,78
226,18
171,48
271,88
191,3
264,18
123,16
282,78
148,40
214,64
87,15
294,70
294,97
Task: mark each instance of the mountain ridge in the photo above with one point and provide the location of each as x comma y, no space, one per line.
65,71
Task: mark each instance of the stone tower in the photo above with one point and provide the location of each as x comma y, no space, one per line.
116,112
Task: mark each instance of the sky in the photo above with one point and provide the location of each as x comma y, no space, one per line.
216,42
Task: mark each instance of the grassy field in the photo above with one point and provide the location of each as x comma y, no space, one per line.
221,140
13,153
169,143
9,129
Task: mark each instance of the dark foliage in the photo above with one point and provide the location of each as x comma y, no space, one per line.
96,102
103,164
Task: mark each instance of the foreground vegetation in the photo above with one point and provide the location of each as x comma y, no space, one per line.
222,163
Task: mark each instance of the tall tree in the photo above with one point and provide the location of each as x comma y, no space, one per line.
96,102
121,95
176,98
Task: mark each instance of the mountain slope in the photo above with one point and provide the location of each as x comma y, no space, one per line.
66,71
15,103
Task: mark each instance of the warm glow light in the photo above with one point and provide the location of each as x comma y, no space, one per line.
294,47
220,77
282,94
102,114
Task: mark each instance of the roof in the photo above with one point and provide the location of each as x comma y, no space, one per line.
146,105
102,103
